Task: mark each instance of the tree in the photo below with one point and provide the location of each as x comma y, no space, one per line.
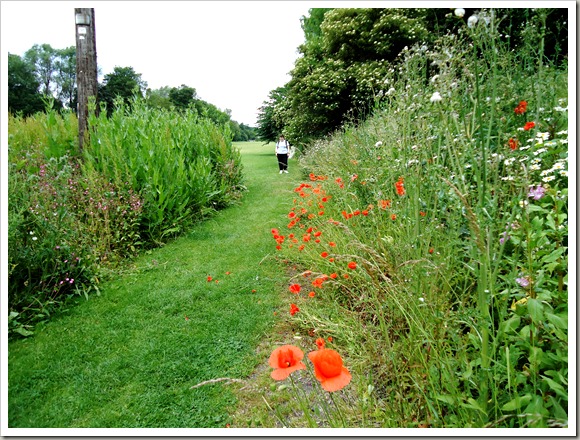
42,57
65,76
23,95
182,97
346,56
123,83
271,119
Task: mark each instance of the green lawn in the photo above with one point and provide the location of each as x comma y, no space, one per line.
129,357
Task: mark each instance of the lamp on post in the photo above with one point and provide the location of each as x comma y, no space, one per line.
86,53
82,18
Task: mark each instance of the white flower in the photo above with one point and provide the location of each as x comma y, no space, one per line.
560,109
564,173
509,161
34,238
523,203
460,12
436,97
472,21
548,178
378,144
535,167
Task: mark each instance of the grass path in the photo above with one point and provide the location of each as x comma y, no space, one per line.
129,357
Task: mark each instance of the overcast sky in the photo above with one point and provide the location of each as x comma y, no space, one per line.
232,52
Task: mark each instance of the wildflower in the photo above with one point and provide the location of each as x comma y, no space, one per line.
384,204
333,275
285,360
529,126
472,21
293,309
536,193
329,369
311,294
378,144
400,187
436,97
431,250
295,288
320,343
332,244
209,278
521,108
352,265
513,143
523,281
324,254
459,12
393,216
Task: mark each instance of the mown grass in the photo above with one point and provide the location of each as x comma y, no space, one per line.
129,357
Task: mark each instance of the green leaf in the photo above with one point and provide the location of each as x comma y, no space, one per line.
446,398
473,404
557,321
556,387
517,403
22,331
535,309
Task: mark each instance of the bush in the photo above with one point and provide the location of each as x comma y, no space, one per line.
144,177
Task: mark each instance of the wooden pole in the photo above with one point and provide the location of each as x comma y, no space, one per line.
86,51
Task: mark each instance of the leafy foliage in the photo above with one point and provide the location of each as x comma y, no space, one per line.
23,95
122,83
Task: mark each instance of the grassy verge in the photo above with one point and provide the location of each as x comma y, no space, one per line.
129,357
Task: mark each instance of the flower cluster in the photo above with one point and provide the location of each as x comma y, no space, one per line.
328,365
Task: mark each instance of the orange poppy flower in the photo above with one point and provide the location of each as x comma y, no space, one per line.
293,309
209,278
320,343
329,370
295,288
352,265
285,360
529,125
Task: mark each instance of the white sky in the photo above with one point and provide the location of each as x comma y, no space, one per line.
232,52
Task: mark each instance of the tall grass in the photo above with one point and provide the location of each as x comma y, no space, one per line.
145,176
454,207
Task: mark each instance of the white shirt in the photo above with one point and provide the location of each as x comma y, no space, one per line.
282,147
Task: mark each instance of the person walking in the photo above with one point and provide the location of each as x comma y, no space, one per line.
282,150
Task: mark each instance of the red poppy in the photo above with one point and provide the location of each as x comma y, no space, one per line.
394,217
295,288
318,282
400,187
311,294
384,204
209,278
333,276
332,244
529,125
431,250
422,213
285,360
352,265
329,369
513,143
293,309
324,254
521,108
320,343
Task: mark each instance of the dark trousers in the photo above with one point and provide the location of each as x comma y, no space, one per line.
283,161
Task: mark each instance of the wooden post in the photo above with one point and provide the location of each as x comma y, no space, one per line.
86,67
